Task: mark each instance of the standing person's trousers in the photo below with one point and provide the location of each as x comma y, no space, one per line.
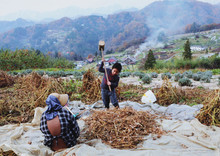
107,96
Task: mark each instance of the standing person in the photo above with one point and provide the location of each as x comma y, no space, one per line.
112,81
58,125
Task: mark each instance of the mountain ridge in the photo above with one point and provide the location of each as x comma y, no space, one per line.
81,35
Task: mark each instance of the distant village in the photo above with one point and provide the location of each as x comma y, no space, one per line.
127,60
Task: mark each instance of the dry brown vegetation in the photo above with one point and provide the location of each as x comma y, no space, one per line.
210,113
91,88
121,128
17,102
5,79
167,94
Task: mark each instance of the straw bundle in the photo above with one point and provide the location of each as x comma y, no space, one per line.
210,113
167,94
91,87
28,93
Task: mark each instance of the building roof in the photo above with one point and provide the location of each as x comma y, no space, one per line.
112,59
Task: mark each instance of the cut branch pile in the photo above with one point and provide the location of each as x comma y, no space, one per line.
210,113
121,128
5,79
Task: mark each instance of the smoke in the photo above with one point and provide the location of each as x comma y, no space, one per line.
165,18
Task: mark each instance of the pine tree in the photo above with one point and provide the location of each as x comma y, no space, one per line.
187,51
150,60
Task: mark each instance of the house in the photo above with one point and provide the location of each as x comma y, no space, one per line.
129,60
197,48
112,60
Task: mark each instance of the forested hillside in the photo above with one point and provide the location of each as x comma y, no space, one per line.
121,30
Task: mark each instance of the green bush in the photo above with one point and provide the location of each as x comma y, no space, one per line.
77,73
29,59
154,75
139,74
125,74
168,75
146,79
177,76
185,64
210,63
40,72
208,74
205,78
188,74
196,77
13,73
185,82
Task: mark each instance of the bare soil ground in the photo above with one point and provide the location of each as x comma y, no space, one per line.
157,82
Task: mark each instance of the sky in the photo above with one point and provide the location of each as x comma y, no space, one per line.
12,6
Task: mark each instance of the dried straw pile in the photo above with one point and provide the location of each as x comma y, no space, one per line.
18,104
36,88
121,128
210,113
167,94
91,87
5,79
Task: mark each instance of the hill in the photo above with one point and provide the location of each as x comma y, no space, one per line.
119,30
8,25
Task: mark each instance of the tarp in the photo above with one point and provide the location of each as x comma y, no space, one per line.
182,138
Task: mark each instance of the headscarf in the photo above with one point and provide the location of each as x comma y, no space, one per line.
53,107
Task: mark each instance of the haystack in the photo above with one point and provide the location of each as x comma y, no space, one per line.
28,93
210,113
167,94
91,87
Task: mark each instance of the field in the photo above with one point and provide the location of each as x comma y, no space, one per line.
136,125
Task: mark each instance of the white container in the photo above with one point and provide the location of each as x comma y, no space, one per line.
148,97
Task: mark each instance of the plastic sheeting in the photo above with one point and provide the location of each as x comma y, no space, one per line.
182,138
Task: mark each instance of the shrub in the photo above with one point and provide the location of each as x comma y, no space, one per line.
188,74
196,77
26,59
26,72
40,72
139,74
205,78
154,75
125,74
77,73
177,76
146,79
208,74
185,82
12,73
168,75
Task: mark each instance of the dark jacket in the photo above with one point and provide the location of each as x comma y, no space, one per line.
69,127
113,79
